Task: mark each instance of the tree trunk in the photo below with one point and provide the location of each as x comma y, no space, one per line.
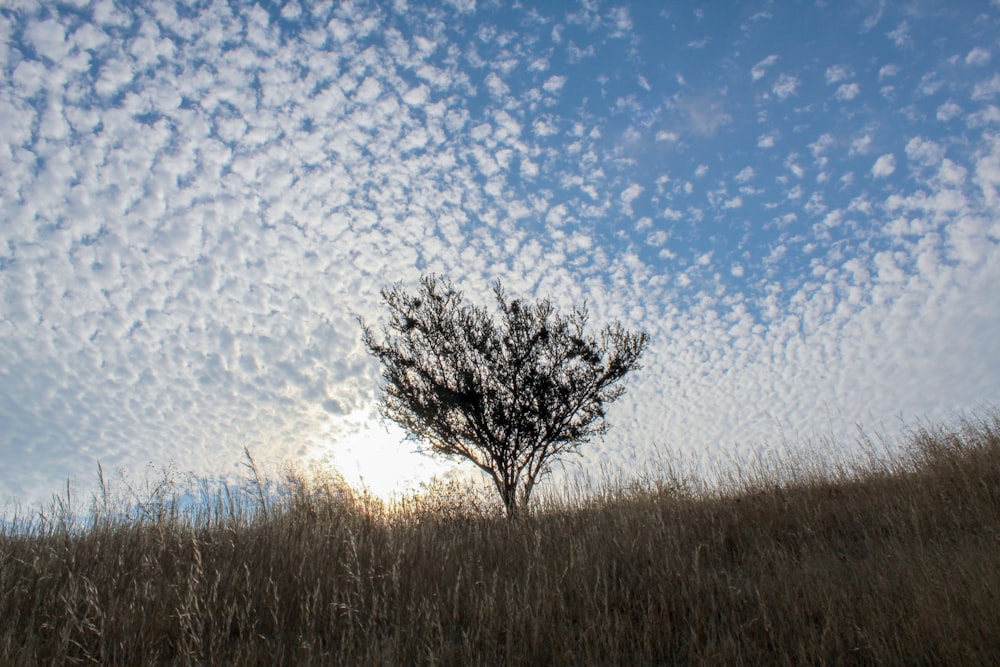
509,496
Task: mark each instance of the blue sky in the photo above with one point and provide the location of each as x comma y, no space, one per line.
798,201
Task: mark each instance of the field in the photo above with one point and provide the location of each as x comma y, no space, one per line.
891,560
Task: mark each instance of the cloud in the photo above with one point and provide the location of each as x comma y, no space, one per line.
872,20
760,69
887,71
628,196
987,173
984,117
948,111
822,144
985,90
837,73
900,36
657,238
978,57
924,151
114,75
544,127
785,86
417,95
884,166
621,21
848,91
861,145
463,6
554,84
705,114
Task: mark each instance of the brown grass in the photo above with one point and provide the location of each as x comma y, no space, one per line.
891,562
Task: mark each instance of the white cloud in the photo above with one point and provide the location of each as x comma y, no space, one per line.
985,90
417,95
657,238
822,144
900,36
114,75
887,71
621,21
948,111
837,73
745,175
705,114
785,86
544,128
988,116
539,65
887,269
924,151
49,39
861,145
575,54
978,57
106,13
628,196
951,174
554,84
884,166
463,6
872,20
793,166
498,89
987,171
766,141
760,69
848,91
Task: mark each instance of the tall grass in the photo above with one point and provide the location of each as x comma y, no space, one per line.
891,561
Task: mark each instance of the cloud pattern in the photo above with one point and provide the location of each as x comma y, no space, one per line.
198,202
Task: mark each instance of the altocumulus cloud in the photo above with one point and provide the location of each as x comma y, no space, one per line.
197,203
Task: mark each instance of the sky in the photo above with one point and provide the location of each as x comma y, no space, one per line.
798,201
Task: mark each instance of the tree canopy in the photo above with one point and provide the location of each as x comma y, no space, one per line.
510,393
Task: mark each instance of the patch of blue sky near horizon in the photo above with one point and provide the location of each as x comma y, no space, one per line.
799,203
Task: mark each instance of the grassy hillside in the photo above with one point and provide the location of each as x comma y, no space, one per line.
891,562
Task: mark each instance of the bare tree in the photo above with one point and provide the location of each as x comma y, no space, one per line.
510,396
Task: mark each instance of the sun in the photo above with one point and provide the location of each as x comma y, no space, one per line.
374,456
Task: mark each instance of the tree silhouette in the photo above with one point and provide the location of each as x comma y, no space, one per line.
510,396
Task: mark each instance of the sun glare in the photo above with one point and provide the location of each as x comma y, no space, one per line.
374,456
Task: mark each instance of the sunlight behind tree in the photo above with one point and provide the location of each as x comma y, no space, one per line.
373,456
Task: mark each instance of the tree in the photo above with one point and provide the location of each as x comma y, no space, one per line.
510,396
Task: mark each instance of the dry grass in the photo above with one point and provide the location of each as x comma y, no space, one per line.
893,562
